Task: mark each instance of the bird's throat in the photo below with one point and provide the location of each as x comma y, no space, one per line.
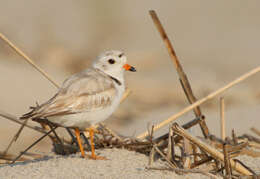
115,80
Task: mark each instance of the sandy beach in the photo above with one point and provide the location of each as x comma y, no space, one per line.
120,164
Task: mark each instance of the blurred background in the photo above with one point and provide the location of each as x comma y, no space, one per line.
216,41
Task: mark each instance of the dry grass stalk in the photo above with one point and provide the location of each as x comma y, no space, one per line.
9,145
200,162
195,150
111,132
234,137
16,136
185,126
152,152
236,147
170,160
233,150
201,101
254,145
47,128
227,162
183,77
3,114
10,157
248,168
171,164
187,152
28,148
250,138
178,170
256,131
222,118
151,157
126,94
209,149
29,60
170,145
34,155
16,120
250,153
240,148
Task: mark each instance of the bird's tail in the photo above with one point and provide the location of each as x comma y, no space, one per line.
31,113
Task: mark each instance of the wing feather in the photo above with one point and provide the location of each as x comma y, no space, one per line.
86,91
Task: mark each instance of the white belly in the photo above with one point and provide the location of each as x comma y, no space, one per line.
89,118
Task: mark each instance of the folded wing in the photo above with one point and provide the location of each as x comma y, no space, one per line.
86,91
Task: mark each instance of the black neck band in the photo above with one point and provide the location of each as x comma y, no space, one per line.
116,80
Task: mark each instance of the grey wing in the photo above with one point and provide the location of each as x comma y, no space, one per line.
85,91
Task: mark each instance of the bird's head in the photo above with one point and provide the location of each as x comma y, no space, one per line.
113,63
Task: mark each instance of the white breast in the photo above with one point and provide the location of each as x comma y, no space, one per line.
90,118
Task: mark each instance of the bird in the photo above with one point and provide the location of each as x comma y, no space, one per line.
87,97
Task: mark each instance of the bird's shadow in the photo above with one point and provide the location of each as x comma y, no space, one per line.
44,158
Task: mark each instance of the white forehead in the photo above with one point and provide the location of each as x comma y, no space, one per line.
111,53
115,54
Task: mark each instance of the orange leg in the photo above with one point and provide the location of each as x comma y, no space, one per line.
91,134
79,142
93,155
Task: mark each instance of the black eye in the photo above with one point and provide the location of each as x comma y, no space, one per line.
111,61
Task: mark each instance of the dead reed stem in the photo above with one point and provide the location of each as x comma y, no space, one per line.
16,136
200,162
151,157
29,60
10,144
182,76
170,145
250,153
222,118
226,161
28,148
211,150
10,157
234,137
256,131
187,148
203,100
126,94
173,167
16,120
112,133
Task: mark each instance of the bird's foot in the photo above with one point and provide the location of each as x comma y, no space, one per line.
95,157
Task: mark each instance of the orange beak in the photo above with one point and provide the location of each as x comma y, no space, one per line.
129,68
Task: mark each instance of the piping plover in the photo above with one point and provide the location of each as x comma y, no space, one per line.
88,97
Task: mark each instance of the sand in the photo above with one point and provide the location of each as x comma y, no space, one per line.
120,164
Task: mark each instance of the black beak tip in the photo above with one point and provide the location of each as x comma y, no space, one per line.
132,69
